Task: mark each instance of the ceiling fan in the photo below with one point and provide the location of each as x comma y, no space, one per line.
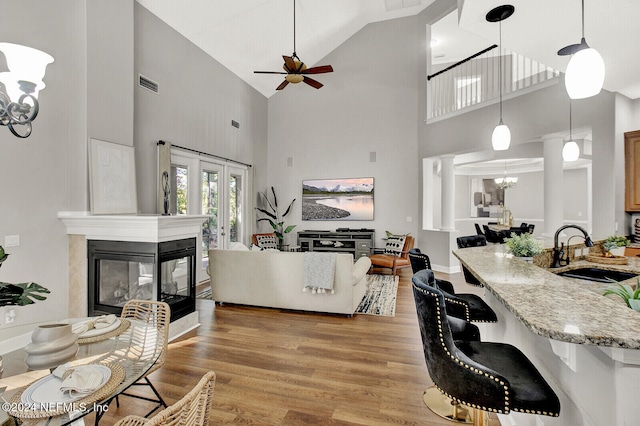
296,70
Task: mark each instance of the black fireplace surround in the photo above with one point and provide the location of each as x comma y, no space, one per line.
122,270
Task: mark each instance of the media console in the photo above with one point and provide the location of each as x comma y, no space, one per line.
358,242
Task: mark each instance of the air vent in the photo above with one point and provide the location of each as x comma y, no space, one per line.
147,83
235,124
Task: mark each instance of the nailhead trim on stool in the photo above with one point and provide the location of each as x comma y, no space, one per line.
435,295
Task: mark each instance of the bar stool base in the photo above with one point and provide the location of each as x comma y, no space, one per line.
446,408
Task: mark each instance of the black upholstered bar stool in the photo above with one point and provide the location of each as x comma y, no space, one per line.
485,376
466,306
471,241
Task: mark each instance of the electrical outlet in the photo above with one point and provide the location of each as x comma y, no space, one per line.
10,316
12,240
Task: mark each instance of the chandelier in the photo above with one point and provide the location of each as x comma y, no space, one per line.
22,83
506,182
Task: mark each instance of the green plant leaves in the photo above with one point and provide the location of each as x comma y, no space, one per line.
626,293
273,215
21,294
523,245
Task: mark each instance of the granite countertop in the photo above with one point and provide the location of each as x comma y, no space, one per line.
563,309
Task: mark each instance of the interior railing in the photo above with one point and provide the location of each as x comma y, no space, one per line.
475,80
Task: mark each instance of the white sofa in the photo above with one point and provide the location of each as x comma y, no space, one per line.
275,279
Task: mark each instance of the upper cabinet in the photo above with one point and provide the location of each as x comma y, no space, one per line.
632,171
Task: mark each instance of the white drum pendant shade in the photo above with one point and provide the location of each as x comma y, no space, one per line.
570,151
585,74
501,137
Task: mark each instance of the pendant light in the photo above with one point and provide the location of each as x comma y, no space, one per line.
570,150
585,72
501,137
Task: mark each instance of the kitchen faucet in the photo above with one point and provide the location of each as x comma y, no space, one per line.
558,252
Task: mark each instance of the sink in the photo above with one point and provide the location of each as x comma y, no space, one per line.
597,274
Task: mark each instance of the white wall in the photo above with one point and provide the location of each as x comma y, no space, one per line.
40,175
90,93
526,200
197,99
369,104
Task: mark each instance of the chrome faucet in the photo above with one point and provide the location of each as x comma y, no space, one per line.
558,252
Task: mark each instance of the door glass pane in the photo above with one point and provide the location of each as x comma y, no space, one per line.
235,208
179,196
210,208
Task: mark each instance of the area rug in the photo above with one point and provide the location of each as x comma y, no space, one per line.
380,298
204,294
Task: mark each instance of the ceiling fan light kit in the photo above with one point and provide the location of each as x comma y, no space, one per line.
501,136
585,72
296,70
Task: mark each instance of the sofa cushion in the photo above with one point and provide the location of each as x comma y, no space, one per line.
268,241
394,245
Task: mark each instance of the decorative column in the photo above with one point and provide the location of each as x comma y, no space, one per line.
553,185
427,193
448,193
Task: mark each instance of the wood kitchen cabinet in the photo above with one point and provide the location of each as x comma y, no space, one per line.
632,171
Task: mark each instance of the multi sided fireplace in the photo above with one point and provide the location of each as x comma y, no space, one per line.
125,270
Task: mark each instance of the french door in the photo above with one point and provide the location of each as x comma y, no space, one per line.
218,190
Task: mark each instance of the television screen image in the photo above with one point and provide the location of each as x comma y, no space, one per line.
337,199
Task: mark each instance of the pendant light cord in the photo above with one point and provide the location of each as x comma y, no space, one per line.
500,69
583,19
294,28
570,136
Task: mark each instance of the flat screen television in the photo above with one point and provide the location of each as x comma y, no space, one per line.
337,199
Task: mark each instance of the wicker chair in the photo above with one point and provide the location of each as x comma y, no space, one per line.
149,338
192,410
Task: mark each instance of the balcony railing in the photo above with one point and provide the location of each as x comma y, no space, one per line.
475,80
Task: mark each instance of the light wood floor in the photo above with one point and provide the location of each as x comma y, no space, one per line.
281,367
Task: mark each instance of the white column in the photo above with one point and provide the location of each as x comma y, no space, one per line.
427,193
553,185
448,193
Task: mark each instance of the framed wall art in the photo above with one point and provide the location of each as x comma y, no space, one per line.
338,199
112,178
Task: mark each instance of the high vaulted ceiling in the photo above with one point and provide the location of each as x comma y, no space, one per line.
248,35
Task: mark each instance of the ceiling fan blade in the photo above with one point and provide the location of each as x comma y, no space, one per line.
313,83
282,85
318,70
289,63
269,72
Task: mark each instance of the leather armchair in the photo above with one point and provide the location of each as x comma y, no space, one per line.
392,261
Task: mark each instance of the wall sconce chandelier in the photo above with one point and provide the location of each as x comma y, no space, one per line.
501,136
22,83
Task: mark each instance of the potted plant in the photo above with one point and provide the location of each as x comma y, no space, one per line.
19,294
275,219
615,245
523,245
626,293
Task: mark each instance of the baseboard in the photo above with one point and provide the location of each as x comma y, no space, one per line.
183,325
445,269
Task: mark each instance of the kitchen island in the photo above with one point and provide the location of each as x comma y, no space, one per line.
586,345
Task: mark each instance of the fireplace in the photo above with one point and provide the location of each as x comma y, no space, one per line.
123,270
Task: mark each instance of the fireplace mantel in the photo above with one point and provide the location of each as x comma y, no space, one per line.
139,228
83,226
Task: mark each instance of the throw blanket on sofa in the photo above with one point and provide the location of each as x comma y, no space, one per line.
319,270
